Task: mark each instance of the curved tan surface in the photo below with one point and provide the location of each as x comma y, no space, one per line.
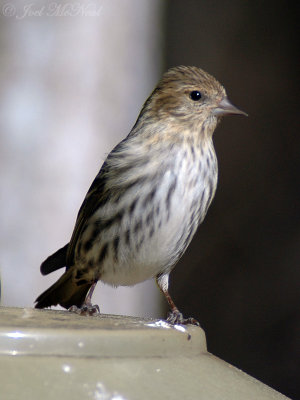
47,354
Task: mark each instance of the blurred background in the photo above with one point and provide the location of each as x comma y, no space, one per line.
73,77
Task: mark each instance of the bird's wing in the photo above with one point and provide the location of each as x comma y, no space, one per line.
117,164
55,261
95,196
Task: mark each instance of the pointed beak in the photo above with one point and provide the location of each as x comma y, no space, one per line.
226,108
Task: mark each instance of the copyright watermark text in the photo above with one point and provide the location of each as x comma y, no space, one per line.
52,9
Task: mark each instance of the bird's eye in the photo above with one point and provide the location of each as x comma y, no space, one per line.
195,95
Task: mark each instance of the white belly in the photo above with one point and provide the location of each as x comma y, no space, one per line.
157,245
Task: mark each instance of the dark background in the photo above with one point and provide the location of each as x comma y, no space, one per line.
240,275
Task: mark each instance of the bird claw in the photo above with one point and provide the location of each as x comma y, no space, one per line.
85,309
176,318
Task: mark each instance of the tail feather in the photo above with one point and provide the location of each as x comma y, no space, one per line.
64,292
55,261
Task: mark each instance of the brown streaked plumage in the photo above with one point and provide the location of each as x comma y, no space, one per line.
149,197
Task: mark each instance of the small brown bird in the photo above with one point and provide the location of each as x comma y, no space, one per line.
149,197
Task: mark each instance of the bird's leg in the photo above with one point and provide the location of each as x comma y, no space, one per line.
87,307
174,317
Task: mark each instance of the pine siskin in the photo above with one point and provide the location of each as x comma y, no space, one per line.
149,197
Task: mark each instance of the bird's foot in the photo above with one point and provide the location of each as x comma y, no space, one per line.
176,318
85,309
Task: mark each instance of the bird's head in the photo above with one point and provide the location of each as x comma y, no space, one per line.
188,98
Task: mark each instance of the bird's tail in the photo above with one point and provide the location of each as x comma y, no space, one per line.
55,261
65,292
